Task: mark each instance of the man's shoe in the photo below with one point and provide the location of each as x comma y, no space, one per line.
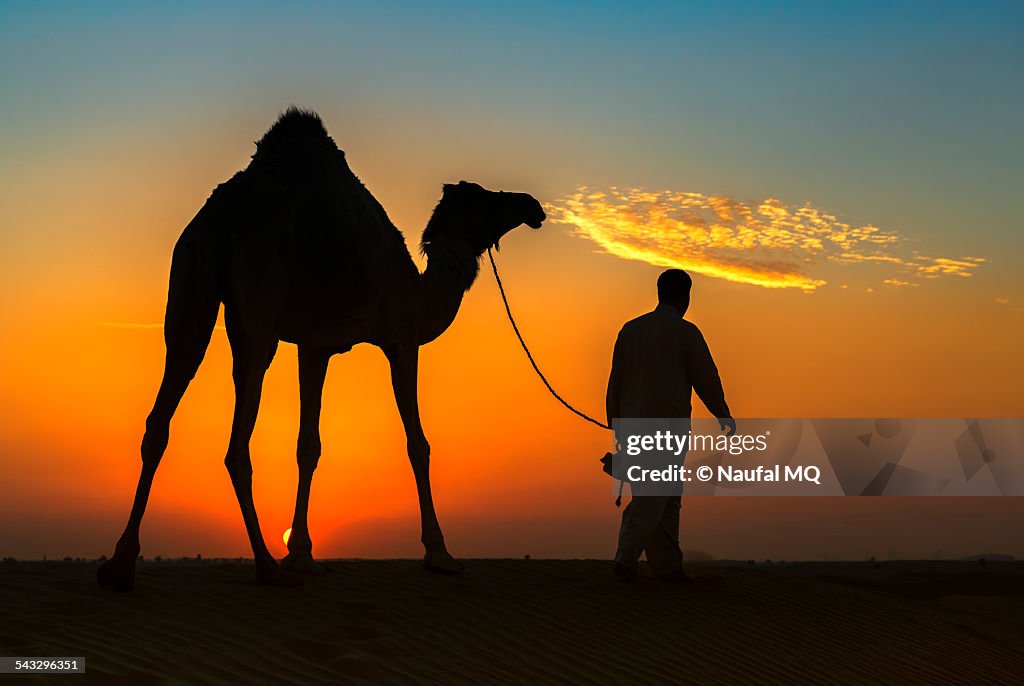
626,574
676,577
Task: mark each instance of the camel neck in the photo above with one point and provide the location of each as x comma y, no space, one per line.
452,267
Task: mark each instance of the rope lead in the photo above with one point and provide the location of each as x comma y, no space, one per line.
515,328
511,319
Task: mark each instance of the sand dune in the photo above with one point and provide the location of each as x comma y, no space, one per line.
519,621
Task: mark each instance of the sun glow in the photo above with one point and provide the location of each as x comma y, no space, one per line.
287,534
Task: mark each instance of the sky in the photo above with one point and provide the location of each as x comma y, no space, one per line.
842,179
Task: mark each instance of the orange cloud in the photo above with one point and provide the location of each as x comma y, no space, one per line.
765,243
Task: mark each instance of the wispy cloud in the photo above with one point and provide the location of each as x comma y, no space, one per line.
765,243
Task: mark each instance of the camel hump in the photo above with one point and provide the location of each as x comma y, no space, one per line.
298,136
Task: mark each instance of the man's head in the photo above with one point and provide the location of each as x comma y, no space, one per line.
674,289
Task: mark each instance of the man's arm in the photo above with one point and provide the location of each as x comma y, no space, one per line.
703,374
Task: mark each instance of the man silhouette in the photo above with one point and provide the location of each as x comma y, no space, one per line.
659,359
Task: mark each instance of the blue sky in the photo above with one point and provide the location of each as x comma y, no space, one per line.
902,114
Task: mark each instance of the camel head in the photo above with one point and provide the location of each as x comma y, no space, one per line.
476,217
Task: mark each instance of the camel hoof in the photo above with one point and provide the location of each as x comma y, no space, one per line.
442,562
279,578
303,563
117,575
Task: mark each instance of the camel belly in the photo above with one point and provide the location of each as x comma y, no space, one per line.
330,329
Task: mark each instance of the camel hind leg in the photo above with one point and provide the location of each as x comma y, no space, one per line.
192,306
252,354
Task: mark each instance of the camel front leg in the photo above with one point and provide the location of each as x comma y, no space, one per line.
404,370
312,373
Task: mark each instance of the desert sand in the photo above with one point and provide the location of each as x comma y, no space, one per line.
522,621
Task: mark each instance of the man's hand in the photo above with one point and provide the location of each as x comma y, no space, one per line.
728,425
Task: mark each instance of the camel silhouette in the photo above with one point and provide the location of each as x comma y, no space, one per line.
298,250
